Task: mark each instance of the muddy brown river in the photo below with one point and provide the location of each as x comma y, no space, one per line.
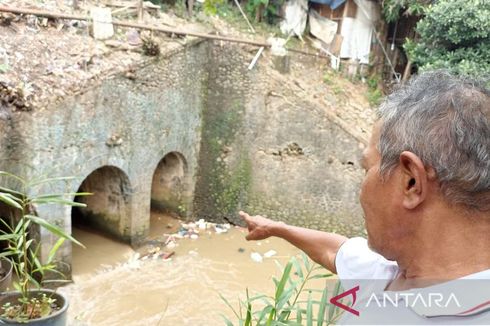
111,287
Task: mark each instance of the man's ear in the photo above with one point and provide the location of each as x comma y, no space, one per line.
414,180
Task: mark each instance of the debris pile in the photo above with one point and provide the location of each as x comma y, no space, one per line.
154,249
191,230
14,96
150,46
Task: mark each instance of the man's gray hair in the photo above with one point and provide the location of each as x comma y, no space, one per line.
445,120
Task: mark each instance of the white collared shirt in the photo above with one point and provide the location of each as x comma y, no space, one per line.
465,301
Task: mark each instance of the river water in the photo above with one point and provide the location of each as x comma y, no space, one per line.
112,288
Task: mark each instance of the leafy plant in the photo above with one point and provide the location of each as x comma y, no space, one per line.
288,305
454,35
210,7
22,250
374,94
38,307
392,9
264,10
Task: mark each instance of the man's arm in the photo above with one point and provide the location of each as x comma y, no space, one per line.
320,246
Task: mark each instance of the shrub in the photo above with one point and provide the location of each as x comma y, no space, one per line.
454,35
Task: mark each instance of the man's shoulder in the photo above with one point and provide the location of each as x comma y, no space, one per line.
355,260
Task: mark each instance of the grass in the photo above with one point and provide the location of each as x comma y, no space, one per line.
330,78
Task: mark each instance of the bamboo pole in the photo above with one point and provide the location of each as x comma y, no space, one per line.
47,14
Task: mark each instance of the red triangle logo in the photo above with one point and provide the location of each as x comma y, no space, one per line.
335,300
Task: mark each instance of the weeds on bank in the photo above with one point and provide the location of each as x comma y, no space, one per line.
229,12
374,94
330,79
293,303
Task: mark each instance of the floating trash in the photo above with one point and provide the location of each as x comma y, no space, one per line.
222,228
202,224
134,262
166,256
270,253
256,257
193,229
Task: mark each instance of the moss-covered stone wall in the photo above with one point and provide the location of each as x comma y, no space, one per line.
266,150
225,170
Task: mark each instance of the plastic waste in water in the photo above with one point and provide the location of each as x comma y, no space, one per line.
270,253
256,257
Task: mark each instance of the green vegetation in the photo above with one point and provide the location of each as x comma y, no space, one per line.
229,167
264,10
392,9
229,12
293,303
258,10
22,250
374,94
454,35
211,7
330,77
235,187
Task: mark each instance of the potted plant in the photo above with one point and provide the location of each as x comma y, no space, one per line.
31,304
5,274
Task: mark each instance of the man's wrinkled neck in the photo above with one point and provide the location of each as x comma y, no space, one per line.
448,246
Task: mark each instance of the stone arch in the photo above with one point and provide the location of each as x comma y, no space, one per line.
109,207
170,185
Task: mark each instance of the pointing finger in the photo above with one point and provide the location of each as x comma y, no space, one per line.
244,216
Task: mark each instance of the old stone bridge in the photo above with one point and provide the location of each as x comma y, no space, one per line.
194,132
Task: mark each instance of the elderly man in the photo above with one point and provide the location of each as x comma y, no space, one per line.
426,203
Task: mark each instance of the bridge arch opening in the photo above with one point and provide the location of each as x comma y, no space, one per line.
108,208
103,226
170,185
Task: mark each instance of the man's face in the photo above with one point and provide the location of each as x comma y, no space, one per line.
379,201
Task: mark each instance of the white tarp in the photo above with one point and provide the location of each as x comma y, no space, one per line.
357,32
295,14
321,27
